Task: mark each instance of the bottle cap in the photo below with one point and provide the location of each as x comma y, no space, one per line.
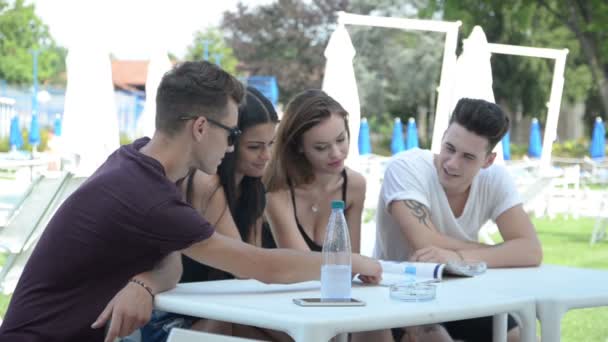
337,204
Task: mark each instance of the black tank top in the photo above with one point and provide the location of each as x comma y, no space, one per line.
310,242
194,271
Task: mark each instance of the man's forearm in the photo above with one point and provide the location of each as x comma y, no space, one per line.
519,252
420,231
296,266
165,275
290,266
438,240
267,265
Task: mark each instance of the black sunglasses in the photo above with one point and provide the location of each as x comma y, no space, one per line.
233,132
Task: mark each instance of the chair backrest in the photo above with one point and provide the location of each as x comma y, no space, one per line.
31,219
25,217
571,177
182,335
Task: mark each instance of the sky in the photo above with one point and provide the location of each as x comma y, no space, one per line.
133,29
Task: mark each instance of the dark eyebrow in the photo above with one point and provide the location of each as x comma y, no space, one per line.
326,143
466,154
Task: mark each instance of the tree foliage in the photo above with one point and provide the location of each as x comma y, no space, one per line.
588,22
397,70
285,39
523,83
216,48
21,32
580,26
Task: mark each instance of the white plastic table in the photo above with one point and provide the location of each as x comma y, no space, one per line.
270,306
556,290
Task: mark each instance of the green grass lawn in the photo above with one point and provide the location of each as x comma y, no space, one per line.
565,242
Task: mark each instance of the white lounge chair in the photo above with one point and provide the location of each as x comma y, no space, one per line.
29,220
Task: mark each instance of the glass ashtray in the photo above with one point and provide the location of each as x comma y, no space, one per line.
413,292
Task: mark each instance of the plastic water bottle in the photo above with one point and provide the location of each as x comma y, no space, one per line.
336,267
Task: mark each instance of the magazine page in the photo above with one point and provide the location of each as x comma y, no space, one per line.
395,272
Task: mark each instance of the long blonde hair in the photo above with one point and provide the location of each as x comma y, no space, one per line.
304,111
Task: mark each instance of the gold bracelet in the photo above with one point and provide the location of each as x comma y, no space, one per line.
142,284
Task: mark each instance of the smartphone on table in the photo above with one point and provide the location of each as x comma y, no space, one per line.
319,302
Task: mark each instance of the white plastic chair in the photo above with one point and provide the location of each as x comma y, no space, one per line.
601,221
531,188
183,335
566,192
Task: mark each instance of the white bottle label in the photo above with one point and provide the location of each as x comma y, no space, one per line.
336,282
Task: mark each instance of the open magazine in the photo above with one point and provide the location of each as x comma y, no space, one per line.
395,272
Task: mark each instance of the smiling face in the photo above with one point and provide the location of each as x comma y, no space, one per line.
326,145
254,149
462,155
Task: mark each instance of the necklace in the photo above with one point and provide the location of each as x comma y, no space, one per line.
314,208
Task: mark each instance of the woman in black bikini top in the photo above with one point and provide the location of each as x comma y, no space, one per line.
307,171
310,242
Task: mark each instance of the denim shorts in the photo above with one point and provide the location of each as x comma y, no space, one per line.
161,323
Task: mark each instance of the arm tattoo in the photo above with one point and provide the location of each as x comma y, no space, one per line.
419,211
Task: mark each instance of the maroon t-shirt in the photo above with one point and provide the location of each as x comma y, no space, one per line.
122,221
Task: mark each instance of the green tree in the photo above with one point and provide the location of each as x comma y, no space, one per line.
397,70
285,39
21,32
520,83
588,21
524,83
216,46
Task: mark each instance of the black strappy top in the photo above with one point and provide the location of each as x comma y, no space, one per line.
310,242
194,271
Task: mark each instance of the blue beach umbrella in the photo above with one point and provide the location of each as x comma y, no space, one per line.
412,134
34,137
57,125
15,140
506,146
597,150
365,145
535,145
397,143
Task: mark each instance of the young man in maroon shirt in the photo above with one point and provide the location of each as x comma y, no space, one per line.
116,240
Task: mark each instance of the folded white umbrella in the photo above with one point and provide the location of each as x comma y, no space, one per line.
159,64
339,82
90,122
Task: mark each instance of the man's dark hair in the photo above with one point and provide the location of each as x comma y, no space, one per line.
194,88
483,118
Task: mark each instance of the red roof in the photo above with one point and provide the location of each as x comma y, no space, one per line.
129,74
